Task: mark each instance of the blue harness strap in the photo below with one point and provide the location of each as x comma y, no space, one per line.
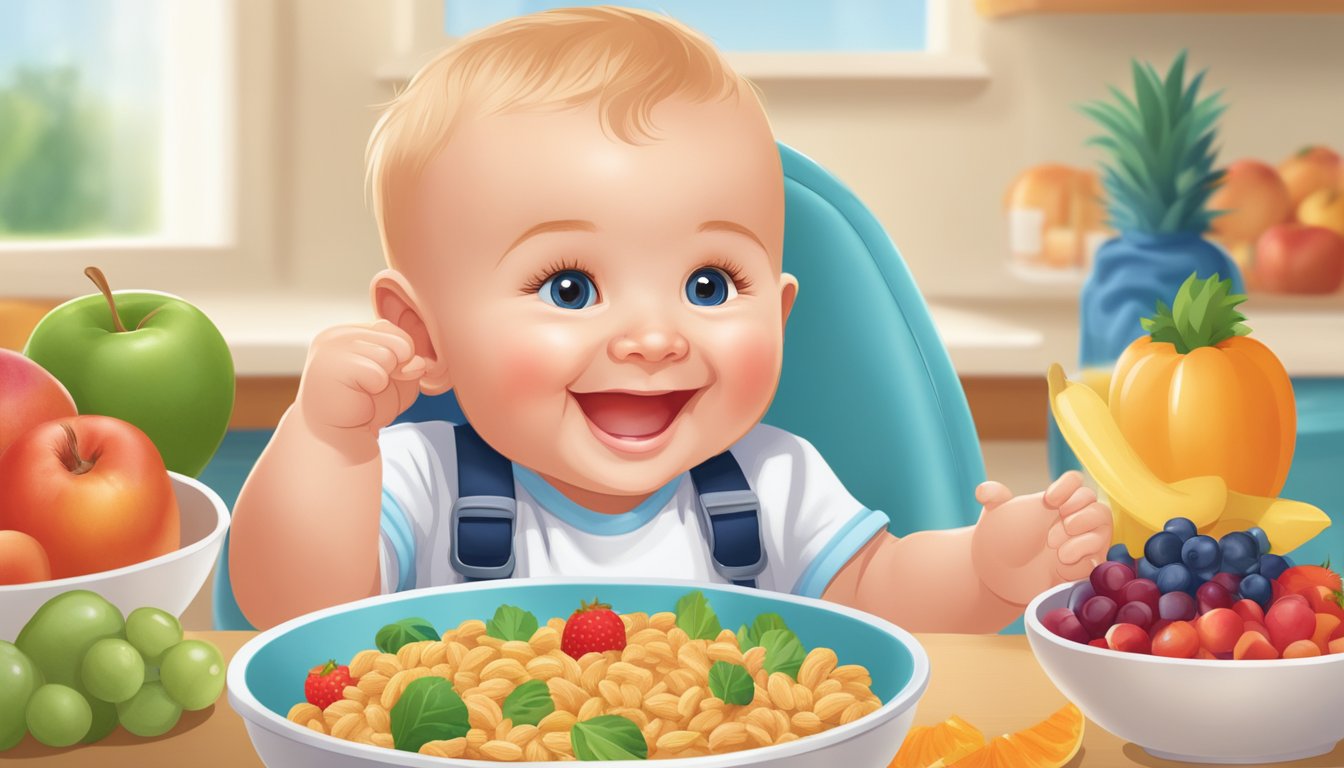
731,514
485,513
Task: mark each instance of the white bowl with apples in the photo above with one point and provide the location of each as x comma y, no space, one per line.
169,582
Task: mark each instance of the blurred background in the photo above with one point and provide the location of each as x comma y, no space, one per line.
214,149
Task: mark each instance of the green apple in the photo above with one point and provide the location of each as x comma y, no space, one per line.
144,357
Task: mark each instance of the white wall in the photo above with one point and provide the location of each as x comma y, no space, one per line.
931,158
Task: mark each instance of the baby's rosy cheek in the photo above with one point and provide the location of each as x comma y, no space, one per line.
748,366
543,362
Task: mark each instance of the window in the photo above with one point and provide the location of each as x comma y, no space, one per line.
788,39
750,26
115,123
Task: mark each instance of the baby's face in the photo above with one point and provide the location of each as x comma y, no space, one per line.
608,314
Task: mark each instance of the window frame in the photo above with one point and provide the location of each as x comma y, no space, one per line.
239,251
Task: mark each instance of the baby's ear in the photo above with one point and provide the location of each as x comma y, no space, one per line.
394,302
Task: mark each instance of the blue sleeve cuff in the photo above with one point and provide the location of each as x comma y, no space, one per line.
397,530
839,550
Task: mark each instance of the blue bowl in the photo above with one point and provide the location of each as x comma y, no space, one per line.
266,676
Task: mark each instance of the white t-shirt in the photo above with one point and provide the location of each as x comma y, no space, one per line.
811,526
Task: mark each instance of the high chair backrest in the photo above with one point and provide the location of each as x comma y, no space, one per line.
866,378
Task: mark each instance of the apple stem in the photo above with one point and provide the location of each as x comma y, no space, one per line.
145,319
77,464
96,275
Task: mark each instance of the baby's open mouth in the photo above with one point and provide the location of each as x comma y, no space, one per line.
633,415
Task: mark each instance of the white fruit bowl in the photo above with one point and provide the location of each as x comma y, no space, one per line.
169,582
266,676
1193,710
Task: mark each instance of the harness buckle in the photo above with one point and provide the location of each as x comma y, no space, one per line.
721,508
484,509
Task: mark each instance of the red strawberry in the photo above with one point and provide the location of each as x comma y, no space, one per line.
1301,577
592,628
326,684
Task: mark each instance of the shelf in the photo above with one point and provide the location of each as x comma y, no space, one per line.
998,8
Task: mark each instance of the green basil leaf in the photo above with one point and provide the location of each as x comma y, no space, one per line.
608,737
512,623
750,637
392,637
428,710
732,683
528,703
696,618
746,639
783,652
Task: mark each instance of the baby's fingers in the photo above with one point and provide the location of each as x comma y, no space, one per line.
1062,489
412,371
363,374
991,494
1092,544
1079,570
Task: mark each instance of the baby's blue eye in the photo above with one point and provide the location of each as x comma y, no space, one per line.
708,287
570,289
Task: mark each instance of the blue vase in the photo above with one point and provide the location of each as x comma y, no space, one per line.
1130,274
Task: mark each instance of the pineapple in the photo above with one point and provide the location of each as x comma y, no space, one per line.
1158,178
1162,171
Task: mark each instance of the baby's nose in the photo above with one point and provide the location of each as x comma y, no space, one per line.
652,344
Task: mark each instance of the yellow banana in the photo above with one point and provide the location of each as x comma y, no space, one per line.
1091,431
1142,502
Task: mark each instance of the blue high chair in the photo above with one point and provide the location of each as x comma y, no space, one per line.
865,379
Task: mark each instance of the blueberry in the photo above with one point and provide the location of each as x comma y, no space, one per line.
1240,553
1202,555
1256,587
1118,554
1175,578
1261,538
1163,548
1182,527
1272,566
1145,569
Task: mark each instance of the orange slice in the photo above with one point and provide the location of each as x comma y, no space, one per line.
939,745
1052,743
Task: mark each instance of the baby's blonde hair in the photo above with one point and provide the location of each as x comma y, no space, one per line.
625,60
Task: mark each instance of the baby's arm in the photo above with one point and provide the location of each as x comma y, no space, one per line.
978,579
305,528
925,582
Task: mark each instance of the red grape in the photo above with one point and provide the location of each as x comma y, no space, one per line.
1176,606
1097,615
1051,620
1137,613
1108,578
1140,590
1072,629
1211,595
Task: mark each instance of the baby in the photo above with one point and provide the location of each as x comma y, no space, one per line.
582,213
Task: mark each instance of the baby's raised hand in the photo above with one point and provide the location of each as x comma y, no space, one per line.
1024,545
358,379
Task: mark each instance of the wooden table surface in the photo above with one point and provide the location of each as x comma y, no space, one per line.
991,681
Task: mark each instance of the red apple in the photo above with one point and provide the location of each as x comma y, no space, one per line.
93,491
28,396
1292,258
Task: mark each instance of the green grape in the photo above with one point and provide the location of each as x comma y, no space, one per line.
151,712
193,673
112,670
58,715
152,632
104,721
19,677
